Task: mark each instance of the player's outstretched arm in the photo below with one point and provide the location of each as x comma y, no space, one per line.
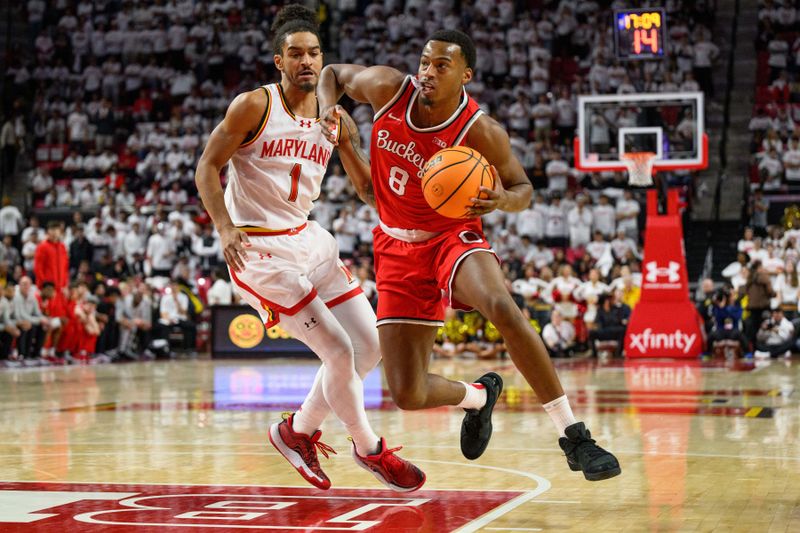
372,85
512,188
354,160
241,119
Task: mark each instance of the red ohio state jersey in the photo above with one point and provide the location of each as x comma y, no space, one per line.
398,153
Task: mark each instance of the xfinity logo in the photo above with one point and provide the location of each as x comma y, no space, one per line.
671,272
647,340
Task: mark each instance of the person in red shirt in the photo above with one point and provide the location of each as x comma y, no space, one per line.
71,330
420,255
51,261
54,306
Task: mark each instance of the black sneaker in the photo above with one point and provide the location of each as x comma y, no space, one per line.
476,429
584,455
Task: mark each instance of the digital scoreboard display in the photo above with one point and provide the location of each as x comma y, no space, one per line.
640,33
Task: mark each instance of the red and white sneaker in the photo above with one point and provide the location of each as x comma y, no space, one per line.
301,451
391,470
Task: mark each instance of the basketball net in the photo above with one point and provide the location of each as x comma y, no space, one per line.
640,167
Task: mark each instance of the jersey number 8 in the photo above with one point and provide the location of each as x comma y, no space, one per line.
397,180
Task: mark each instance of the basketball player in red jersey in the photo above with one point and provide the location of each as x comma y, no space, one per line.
420,254
287,267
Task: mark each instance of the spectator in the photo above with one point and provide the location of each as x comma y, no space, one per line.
580,221
29,319
555,228
50,262
54,307
611,323
11,221
628,215
559,336
758,290
604,217
78,128
80,249
160,252
174,312
726,314
221,291
9,332
134,316
775,336
88,327
557,171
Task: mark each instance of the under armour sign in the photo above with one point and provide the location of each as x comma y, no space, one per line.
655,273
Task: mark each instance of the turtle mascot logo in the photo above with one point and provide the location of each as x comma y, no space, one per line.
246,331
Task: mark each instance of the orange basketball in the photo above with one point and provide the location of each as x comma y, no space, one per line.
453,176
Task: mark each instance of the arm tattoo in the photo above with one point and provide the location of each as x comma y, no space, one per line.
366,191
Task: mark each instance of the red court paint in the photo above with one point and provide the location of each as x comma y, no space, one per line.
63,507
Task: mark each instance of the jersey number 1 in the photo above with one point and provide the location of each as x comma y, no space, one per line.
295,175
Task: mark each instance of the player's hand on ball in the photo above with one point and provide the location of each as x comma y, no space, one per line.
490,199
234,241
329,120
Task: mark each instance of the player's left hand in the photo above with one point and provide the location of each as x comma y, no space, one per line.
490,199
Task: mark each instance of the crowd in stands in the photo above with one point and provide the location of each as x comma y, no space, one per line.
775,138
755,307
117,99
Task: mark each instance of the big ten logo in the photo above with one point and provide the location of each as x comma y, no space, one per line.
236,511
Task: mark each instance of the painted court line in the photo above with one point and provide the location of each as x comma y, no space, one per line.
542,485
512,528
497,449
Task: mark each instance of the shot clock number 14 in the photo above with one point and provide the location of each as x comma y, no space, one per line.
640,33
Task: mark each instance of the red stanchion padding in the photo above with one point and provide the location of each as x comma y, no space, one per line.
665,322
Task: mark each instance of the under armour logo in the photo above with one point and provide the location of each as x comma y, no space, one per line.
305,123
672,272
311,323
391,116
437,141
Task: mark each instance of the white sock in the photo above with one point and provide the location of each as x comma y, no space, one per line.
560,413
304,422
475,396
312,413
366,441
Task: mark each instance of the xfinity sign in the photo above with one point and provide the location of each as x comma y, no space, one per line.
647,340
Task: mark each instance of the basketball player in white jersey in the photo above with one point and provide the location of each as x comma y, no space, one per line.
287,267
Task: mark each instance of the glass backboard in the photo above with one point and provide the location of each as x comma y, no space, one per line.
670,125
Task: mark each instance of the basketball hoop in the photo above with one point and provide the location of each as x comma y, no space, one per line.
640,167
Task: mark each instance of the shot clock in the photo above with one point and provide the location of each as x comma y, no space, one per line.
640,33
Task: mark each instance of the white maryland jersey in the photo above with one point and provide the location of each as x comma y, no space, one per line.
274,178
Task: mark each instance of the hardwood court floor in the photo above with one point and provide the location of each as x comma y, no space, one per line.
180,446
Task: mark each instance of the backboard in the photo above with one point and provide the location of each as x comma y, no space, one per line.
670,125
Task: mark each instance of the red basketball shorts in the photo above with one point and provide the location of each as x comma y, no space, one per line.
415,279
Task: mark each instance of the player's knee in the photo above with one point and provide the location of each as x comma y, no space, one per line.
367,356
407,392
410,399
501,310
338,352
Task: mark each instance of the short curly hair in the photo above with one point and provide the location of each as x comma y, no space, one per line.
293,18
